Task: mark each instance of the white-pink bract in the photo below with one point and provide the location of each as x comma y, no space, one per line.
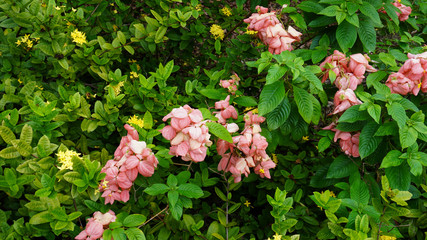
131,158
349,143
271,31
188,134
231,85
96,225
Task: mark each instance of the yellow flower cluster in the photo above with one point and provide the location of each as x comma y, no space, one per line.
135,120
78,37
387,238
133,75
117,88
226,11
198,7
66,159
217,31
25,39
251,32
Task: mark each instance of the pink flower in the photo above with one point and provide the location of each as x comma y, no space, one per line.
404,11
344,99
347,80
399,83
338,62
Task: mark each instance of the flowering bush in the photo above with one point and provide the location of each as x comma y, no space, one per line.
213,119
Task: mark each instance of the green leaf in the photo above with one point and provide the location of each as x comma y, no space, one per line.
399,177
368,10
353,114
304,103
392,12
375,111
353,19
219,131
121,37
397,112
309,75
346,35
279,115
309,6
41,217
271,96
401,197
134,220
9,153
323,144
387,58
407,136
190,190
341,167
416,166
245,101
148,120
275,72
119,234
367,35
368,142
213,93
173,197
359,191
7,134
156,189
330,11
135,234
23,148
392,159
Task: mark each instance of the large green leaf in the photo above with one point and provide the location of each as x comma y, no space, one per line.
359,191
341,167
398,113
156,189
399,177
407,136
304,103
275,72
271,96
190,190
219,131
279,115
368,142
368,35
309,6
392,159
346,35
353,114
134,220
245,101
368,10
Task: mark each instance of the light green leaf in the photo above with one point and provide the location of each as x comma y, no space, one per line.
135,234
392,159
7,134
387,58
330,11
134,220
375,111
156,189
407,136
275,72
190,190
219,131
416,166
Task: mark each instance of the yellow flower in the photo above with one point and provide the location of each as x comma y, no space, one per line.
135,120
275,158
73,9
115,27
66,159
261,170
226,11
20,81
117,88
198,7
251,32
217,31
133,75
57,8
247,203
70,24
44,5
78,37
18,42
277,237
131,61
255,111
112,4
419,85
115,11
305,138
387,237
332,194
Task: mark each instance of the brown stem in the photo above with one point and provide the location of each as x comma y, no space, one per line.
164,209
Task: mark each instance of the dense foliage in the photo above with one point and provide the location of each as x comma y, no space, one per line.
247,119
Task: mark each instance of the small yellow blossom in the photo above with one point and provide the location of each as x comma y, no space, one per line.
419,85
44,5
131,61
255,111
117,88
25,39
115,11
112,4
70,24
387,237
39,87
73,9
78,37
115,27
226,11
198,7
261,170
104,184
133,75
217,31
251,32
20,81
66,159
275,158
277,237
18,42
135,120
247,203
96,191
305,138
57,8
332,194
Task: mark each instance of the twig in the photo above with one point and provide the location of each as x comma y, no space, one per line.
75,208
92,12
164,209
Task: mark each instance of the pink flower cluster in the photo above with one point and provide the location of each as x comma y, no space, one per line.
271,31
96,225
247,149
404,11
188,134
231,84
130,158
412,76
349,74
349,143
